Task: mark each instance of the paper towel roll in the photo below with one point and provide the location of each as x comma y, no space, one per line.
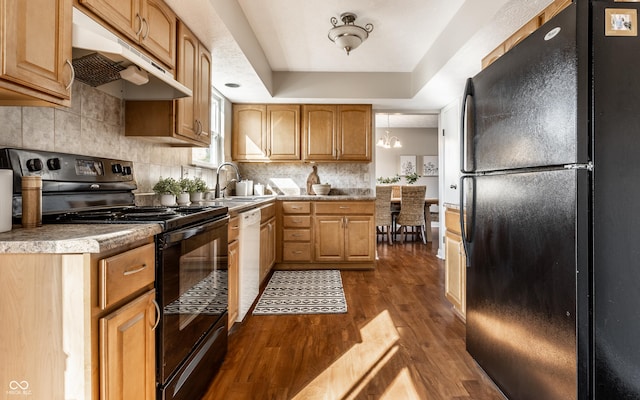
6,193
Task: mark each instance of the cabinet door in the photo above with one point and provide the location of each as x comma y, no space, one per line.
283,131
159,33
203,93
359,238
127,351
249,132
232,279
36,42
186,73
271,259
454,274
124,15
329,238
319,132
354,133
521,34
264,251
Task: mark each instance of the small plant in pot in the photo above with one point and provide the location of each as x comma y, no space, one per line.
183,197
412,178
168,189
196,188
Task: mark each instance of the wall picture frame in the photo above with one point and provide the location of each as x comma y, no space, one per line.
408,165
429,165
620,22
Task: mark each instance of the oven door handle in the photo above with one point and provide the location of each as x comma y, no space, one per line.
171,238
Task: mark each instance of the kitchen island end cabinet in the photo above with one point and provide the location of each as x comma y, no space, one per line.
455,263
326,234
232,269
79,326
36,53
267,239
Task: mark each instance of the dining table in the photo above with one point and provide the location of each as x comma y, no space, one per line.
396,204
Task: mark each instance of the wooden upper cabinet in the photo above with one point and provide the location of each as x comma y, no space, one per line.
521,34
553,9
150,23
36,52
336,132
494,55
263,132
249,132
319,132
193,119
283,131
354,134
159,35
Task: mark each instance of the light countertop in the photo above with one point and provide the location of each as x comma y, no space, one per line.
74,238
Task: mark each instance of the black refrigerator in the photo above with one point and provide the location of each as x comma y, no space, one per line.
550,189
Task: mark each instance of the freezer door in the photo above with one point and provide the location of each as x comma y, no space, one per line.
525,103
521,281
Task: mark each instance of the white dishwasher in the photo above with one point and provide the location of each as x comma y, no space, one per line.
248,261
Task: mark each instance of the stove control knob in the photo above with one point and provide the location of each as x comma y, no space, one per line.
126,170
54,164
116,168
34,165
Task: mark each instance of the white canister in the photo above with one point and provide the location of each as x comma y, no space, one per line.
244,188
258,189
6,194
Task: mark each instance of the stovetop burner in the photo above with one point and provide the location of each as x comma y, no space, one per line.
169,217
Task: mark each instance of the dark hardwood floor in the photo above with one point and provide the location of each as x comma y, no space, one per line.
399,339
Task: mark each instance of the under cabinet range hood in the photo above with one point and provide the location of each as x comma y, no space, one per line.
103,60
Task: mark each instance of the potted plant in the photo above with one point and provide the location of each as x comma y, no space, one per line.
412,178
389,180
196,188
168,189
183,197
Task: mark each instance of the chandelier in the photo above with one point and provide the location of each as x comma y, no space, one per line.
348,36
388,141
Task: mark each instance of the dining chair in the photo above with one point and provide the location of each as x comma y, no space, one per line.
412,211
383,210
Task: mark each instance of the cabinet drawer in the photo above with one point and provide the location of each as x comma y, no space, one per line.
343,208
296,221
296,207
267,212
296,251
296,235
125,273
233,229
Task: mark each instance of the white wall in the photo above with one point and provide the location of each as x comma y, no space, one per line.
415,142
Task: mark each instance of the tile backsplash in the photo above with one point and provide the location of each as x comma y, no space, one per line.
94,125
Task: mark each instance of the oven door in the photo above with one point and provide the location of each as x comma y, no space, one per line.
192,290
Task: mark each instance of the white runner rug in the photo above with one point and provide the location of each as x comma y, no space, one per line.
303,292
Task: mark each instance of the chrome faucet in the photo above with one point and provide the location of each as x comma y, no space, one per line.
217,190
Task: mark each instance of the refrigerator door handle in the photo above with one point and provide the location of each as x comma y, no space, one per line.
466,224
468,93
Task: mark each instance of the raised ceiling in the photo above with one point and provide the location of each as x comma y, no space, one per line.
415,61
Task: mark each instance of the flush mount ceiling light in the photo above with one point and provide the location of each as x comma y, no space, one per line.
348,36
387,142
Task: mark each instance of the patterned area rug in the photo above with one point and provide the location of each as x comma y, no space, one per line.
303,292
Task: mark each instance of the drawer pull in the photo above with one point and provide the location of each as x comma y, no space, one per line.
155,303
296,208
296,221
344,207
135,271
296,235
235,228
297,252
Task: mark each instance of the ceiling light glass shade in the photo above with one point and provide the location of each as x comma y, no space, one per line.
387,142
348,36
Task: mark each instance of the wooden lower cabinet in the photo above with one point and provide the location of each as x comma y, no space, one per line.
267,239
80,326
317,234
127,351
455,263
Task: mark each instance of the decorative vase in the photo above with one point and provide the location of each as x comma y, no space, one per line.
183,199
196,196
168,199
